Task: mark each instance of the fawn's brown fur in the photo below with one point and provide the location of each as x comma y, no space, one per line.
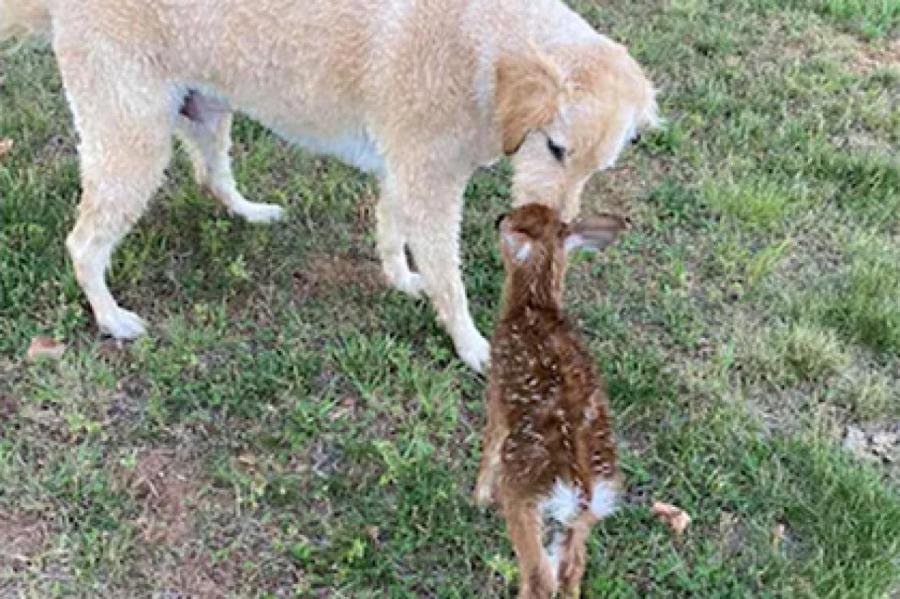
548,447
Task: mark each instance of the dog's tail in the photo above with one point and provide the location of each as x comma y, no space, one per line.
23,18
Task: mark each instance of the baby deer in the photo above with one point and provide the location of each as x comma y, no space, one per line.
548,449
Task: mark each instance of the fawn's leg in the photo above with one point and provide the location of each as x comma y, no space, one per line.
537,579
494,434
204,127
573,557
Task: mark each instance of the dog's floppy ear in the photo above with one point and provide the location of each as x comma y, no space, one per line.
594,233
528,91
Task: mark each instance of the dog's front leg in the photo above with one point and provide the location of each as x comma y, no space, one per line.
431,215
436,254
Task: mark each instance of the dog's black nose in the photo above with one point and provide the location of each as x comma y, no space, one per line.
636,139
498,221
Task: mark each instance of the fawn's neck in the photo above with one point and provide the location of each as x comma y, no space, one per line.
532,289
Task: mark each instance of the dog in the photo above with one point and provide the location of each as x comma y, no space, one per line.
418,92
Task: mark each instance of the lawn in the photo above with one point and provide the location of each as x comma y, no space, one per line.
291,427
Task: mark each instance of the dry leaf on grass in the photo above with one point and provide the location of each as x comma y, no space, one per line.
6,144
346,407
778,534
373,533
247,459
674,516
44,348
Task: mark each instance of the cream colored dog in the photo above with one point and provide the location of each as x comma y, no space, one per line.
419,92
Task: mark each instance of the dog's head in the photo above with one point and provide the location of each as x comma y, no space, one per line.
565,115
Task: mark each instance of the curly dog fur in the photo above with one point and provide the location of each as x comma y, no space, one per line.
420,93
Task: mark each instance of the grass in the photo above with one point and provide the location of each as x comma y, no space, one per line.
866,304
871,18
293,428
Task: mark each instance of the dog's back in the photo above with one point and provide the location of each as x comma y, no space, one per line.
23,18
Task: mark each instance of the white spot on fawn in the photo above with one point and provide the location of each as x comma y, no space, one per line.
605,498
563,503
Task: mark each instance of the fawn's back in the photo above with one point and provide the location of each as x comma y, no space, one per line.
553,402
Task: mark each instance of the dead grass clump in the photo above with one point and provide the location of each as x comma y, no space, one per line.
788,354
22,537
166,488
325,274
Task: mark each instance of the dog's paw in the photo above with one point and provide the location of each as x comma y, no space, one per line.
400,277
483,495
410,283
259,213
476,353
122,324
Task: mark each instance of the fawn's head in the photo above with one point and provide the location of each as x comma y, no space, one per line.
535,242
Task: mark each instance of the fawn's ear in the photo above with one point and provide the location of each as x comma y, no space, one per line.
517,245
528,94
594,233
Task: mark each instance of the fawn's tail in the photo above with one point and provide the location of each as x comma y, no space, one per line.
23,18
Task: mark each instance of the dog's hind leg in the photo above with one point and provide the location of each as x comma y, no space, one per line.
125,119
391,225
204,126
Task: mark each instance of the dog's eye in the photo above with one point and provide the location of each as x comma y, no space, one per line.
498,221
558,151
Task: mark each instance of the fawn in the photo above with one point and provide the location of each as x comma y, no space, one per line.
548,449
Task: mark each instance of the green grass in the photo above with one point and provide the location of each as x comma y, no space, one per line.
752,204
291,427
788,354
873,18
865,304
